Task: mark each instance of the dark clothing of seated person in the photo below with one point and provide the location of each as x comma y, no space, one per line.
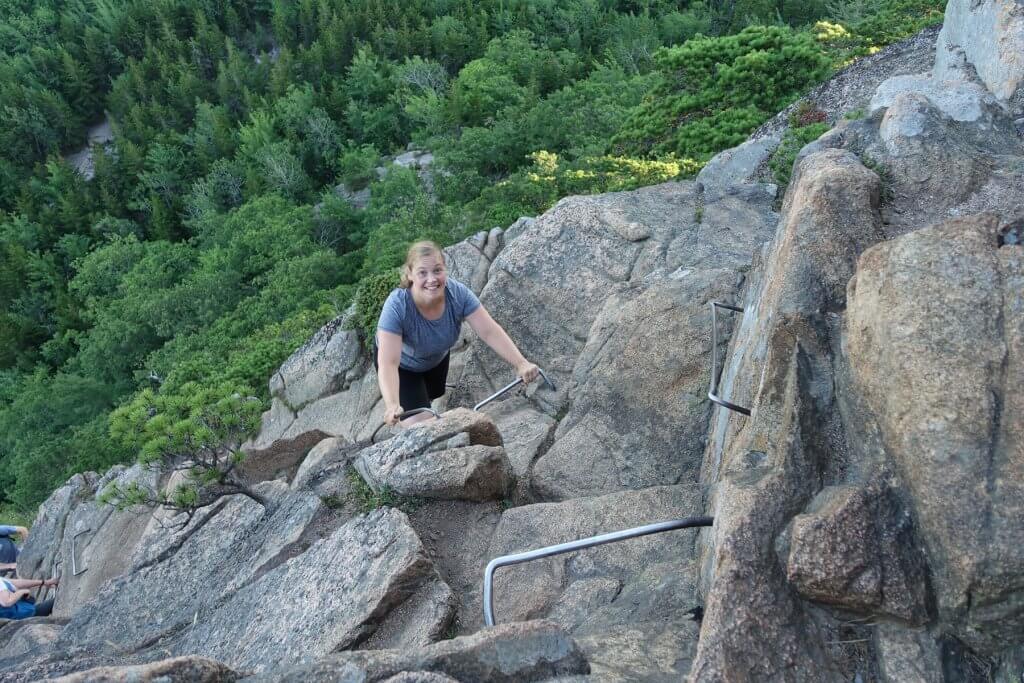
8,548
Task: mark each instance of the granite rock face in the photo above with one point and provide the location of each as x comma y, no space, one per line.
626,603
908,656
866,501
764,468
177,575
82,541
936,334
988,35
638,414
609,294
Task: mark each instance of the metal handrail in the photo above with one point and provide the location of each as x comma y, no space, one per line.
714,360
561,548
408,413
74,560
519,380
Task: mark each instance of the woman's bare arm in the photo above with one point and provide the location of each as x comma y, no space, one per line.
495,336
389,355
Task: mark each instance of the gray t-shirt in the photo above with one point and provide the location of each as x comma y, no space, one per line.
425,342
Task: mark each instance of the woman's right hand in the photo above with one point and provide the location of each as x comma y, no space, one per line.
391,415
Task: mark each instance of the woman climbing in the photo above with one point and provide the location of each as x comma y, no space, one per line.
419,324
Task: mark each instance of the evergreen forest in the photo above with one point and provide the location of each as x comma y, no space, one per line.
213,233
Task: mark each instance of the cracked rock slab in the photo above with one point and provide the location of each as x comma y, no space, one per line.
639,412
329,598
529,590
174,670
179,575
510,653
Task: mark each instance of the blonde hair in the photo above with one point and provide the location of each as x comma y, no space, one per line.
418,250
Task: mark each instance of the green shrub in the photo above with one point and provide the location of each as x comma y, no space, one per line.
782,159
357,166
370,296
535,189
198,431
893,20
715,91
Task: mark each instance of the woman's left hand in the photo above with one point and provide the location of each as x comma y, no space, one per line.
527,371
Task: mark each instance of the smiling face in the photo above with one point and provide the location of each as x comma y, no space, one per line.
428,276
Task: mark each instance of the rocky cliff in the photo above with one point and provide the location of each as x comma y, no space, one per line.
867,496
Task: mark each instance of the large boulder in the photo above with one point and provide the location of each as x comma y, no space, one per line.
936,344
526,432
854,547
458,456
764,468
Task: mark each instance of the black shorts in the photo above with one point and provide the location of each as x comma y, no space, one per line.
418,389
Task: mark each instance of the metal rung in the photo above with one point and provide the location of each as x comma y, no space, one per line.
714,360
562,548
519,380
74,560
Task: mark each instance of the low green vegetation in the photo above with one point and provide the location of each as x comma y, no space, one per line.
806,124
210,241
366,499
714,92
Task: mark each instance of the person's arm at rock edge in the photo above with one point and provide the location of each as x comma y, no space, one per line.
495,336
389,355
7,530
31,583
8,598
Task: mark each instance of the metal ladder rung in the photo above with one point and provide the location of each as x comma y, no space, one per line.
562,548
715,398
